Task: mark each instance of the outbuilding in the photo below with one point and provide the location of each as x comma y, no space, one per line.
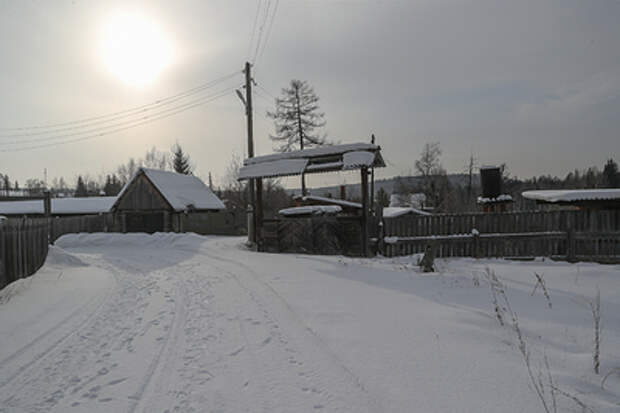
601,198
161,201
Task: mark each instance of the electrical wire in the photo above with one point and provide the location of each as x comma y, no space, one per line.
273,17
143,122
121,113
100,128
261,29
266,91
253,30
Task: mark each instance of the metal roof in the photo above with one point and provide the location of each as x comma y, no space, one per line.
573,195
323,159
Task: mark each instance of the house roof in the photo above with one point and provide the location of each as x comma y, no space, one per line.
573,195
60,206
323,159
182,192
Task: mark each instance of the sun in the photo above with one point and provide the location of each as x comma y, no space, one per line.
134,47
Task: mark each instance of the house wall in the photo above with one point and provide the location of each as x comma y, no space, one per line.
141,195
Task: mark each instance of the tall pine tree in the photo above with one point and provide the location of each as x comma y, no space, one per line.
180,161
296,117
80,189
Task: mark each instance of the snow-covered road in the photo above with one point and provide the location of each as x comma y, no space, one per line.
182,323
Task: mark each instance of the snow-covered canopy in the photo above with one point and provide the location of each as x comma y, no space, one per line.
60,206
181,191
311,210
322,159
332,201
569,195
394,212
498,199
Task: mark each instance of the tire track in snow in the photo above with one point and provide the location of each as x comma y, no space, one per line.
164,357
317,341
103,299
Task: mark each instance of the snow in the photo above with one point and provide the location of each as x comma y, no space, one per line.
308,153
311,210
394,212
60,206
180,322
356,159
568,195
333,201
182,192
281,167
499,198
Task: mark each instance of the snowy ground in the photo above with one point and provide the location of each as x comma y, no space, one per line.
182,323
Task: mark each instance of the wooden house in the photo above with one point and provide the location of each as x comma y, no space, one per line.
161,201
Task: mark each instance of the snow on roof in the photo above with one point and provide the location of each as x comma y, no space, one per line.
568,195
60,206
323,159
314,152
311,210
332,201
181,191
355,159
279,167
394,212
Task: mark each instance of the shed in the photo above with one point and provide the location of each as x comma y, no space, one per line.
156,201
603,198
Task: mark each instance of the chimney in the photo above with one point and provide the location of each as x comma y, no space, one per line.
343,192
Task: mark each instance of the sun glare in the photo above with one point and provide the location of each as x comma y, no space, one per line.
134,48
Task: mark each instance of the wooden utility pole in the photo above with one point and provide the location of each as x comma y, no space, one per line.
364,172
372,182
248,114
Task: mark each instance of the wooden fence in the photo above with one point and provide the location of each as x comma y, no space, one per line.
24,241
23,248
588,234
82,223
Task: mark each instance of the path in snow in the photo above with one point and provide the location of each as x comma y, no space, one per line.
182,323
177,332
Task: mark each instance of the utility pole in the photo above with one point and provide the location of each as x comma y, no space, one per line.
248,113
372,182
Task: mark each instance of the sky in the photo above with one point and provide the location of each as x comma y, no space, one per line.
534,84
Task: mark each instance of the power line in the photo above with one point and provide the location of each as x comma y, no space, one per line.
264,97
91,125
254,29
262,27
126,112
103,128
266,91
143,122
273,17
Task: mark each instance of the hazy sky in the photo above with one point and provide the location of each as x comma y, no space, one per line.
532,83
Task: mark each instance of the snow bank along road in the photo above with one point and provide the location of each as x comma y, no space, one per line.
182,323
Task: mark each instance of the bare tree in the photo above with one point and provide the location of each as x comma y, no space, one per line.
428,163
156,159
